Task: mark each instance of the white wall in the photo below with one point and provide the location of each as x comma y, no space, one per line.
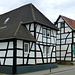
20,44
32,27
39,29
9,61
19,61
20,53
3,45
66,38
42,38
60,20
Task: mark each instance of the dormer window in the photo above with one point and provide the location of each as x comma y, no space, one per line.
6,20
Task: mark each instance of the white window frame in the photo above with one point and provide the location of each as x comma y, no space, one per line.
24,47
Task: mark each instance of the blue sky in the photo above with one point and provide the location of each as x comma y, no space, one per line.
50,8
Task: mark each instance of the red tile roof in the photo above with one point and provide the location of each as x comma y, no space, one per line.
69,21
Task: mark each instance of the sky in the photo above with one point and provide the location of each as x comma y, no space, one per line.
50,8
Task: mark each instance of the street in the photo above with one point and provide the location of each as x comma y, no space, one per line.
69,72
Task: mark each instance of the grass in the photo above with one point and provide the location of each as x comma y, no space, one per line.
64,63
3,74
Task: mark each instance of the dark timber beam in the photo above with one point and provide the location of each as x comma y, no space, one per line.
35,38
41,53
29,53
6,53
14,55
66,52
51,54
60,45
72,47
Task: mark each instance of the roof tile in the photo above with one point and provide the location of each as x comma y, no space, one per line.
69,21
26,13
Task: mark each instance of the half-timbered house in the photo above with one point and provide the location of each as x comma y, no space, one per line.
65,50
27,38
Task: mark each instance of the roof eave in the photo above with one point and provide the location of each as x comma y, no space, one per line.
7,38
24,23
18,38
31,40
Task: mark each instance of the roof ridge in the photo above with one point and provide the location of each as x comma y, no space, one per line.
17,29
13,9
33,12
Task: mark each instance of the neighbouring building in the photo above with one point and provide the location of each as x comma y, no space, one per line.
65,49
27,41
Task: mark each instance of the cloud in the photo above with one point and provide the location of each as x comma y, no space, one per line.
7,5
50,8
53,8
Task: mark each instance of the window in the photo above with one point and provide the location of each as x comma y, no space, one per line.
62,24
62,27
44,32
47,50
44,49
26,47
48,33
6,20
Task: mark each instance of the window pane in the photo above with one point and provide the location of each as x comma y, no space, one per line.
44,32
26,47
43,49
6,20
47,50
48,33
62,24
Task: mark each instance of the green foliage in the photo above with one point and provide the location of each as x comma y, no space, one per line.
74,50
